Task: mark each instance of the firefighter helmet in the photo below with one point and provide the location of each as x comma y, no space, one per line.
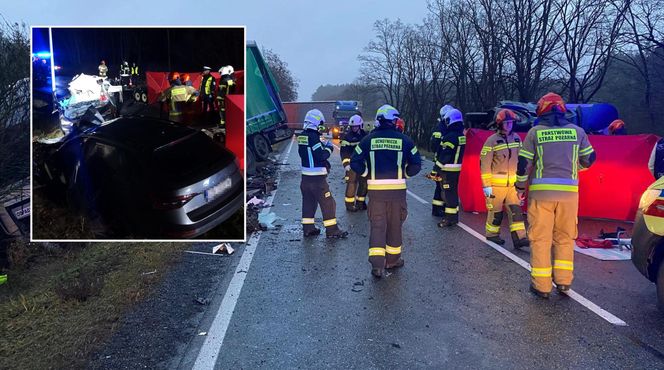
400,125
453,116
206,68
386,114
226,70
616,125
355,120
549,103
186,77
313,119
505,115
443,111
173,76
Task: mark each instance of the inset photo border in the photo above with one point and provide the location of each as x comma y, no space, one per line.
138,134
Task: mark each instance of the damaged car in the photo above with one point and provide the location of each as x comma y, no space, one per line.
147,177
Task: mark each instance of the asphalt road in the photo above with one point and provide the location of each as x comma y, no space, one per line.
284,301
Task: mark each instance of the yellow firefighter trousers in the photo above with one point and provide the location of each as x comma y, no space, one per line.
505,196
552,223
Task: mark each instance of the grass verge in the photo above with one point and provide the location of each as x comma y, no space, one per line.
62,303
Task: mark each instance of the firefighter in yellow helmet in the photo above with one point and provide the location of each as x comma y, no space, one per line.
498,160
386,157
177,96
553,152
356,185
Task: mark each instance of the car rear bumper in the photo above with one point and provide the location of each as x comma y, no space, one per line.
210,221
644,244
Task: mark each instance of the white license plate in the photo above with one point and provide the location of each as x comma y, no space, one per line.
22,212
215,191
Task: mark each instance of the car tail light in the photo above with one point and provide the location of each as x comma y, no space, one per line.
651,204
171,202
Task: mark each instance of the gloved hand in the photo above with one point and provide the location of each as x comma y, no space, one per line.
488,191
347,168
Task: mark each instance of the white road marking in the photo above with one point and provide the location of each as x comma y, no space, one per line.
207,253
207,357
606,315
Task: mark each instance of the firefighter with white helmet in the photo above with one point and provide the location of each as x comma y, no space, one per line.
498,161
314,187
208,86
227,83
386,158
437,204
449,157
356,185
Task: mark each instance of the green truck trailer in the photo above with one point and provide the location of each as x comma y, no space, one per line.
266,118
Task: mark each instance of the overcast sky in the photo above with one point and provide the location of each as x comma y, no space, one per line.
320,40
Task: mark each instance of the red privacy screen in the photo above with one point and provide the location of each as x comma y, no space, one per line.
611,188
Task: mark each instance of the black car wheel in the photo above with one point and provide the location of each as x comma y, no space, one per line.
660,286
137,96
144,97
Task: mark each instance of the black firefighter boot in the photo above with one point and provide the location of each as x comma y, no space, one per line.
449,220
520,243
496,239
351,207
361,205
311,230
336,233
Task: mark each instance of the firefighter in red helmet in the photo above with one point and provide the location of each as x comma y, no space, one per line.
498,160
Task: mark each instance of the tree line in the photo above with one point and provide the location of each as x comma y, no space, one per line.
474,54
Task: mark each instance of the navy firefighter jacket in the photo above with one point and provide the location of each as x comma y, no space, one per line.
313,153
386,157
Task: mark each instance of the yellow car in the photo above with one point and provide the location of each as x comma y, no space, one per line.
648,237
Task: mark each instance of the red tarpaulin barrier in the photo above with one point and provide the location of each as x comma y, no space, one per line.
610,189
158,81
235,126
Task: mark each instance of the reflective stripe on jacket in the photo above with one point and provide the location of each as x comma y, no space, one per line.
386,157
498,160
312,153
553,152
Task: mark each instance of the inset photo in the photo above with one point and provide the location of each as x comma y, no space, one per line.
138,133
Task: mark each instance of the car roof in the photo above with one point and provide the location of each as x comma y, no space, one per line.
141,133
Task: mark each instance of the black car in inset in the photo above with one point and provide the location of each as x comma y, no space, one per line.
150,177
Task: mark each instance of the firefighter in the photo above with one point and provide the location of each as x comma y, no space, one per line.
437,204
386,157
177,96
124,73
448,166
208,85
227,85
134,73
186,79
498,160
356,186
314,187
103,69
553,152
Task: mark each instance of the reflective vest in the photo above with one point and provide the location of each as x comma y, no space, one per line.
386,158
313,153
208,84
498,160
450,151
134,70
551,157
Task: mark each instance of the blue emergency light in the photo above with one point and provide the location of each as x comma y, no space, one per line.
42,54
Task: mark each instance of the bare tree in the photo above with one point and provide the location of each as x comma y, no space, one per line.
587,32
14,103
286,82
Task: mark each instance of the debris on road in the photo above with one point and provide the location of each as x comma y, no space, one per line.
202,333
149,272
202,301
259,188
266,220
223,248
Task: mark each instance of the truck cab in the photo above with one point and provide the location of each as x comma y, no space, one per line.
343,110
